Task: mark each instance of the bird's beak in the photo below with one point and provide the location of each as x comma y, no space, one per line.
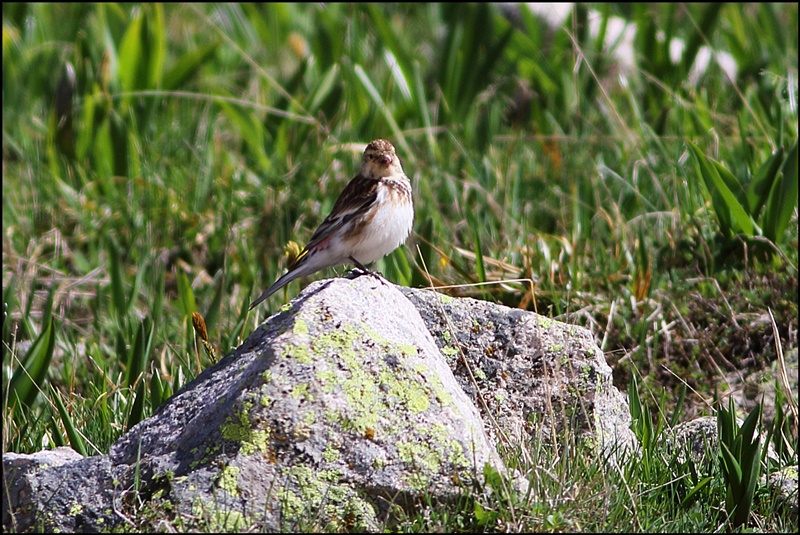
386,159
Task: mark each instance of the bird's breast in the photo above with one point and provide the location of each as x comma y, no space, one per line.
387,225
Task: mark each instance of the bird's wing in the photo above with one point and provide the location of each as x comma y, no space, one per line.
355,200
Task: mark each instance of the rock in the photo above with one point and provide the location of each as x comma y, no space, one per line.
750,387
333,409
332,414
784,485
530,376
695,439
57,490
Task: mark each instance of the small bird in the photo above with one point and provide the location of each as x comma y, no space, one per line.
371,218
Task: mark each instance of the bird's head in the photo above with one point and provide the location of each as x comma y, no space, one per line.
380,160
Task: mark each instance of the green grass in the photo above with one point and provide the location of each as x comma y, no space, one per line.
158,158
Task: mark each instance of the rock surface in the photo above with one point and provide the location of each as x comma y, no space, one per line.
528,374
56,490
337,410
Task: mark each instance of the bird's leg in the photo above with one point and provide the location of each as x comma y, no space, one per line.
365,271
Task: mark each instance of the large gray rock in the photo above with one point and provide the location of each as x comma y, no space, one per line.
336,407
337,410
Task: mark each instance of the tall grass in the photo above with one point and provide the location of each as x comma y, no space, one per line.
158,158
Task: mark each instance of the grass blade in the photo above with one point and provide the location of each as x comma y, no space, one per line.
694,494
186,299
140,352
759,188
137,366
118,300
188,65
75,439
732,216
782,200
27,380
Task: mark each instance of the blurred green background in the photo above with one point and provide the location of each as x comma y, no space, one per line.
631,168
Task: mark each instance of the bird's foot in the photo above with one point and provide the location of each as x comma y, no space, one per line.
364,271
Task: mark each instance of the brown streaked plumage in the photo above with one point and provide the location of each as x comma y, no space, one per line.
371,218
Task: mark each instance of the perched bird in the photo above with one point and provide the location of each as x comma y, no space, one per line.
371,218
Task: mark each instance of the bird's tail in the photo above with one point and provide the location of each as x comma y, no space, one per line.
277,285
300,269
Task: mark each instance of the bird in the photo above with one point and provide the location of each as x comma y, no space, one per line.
372,217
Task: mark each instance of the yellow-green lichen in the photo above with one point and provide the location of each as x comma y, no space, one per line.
228,480
334,493
425,459
310,488
328,379
312,492
408,350
419,456
359,391
239,430
371,404
228,522
75,509
339,340
433,381
358,385
419,403
236,430
408,391
439,432
331,453
418,482
291,504
300,353
267,376
300,327
300,390
219,520
456,454
449,351
258,442
332,475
